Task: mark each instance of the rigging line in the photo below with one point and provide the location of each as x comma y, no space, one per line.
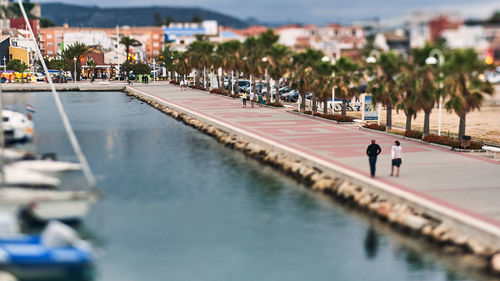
67,126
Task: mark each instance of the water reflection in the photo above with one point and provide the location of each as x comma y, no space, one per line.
371,243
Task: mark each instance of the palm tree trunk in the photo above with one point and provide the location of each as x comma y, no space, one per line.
344,107
205,84
461,126
303,102
197,78
268,80
229,82
277,99
408,122
325,106
314,104
427,117
388,121
237,87
218,79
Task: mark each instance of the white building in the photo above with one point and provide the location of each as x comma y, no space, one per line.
114,57
90,38
466,37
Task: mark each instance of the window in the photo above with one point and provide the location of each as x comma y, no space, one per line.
49,36
155,36
49,52
49,44
155,44
156,53
59,36
58,44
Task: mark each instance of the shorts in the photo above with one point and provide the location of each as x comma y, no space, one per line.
396,162
244,101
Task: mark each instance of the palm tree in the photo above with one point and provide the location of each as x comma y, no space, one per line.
129,42
323,83
466,91
383,87
303,72
410,86
75,52
166,56
199,53
91,64
279,62
251,55
347,76
428,91
230,52
266,41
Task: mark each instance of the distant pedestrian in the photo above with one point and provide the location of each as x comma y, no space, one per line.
182,85
397,155
252,97
261,100
373,150
244,99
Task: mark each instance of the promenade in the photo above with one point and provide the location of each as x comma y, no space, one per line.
461,186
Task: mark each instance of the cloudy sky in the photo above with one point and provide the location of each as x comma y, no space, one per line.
316,11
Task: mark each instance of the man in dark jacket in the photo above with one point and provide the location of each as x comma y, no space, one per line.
373,151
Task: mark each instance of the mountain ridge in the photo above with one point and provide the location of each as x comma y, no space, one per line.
94,16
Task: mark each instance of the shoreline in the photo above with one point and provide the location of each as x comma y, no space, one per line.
396,208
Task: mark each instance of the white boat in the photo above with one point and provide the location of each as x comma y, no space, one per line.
45,205
22,177
16,126
46,167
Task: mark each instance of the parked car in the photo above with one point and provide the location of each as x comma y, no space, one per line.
40,77
291,96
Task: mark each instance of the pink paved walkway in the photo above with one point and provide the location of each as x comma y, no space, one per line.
458,181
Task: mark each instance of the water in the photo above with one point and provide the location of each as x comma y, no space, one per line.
180,206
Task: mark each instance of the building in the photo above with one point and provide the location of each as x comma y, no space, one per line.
114,58
397,41
54,39
18,53
180,34
21,24
334,40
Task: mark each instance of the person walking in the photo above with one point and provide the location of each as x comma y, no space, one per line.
397,155
244,99
261,100
182,85
373,150
252,97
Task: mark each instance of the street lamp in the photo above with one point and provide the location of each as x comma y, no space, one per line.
4,64
372,58
433,61
154,70
74,60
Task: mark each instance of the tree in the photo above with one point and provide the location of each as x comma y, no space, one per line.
72,52
17,66
140,68
428,83
91,64
303,75
409,84
279,63
462,84
45,22
383,87
323,83
266,41
199,53
347,76
196,18
129,42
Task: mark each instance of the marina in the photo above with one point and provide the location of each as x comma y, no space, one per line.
199,210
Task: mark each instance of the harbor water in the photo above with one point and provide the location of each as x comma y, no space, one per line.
179,206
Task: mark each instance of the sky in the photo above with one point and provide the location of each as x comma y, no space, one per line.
315,11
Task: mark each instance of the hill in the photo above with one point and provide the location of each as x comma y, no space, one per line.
85,16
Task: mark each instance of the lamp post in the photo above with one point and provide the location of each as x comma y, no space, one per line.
264,60
4,64
154,70
433,61
74,60
372,58
327,59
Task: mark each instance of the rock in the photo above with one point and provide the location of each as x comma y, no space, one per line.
373,206
457,238
365,200
413,222
495,263
346,189
322,185
427,230
439,231
478,248
384,209
316,177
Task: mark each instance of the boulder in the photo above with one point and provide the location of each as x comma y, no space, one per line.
478,248
413,222
495,263
384,209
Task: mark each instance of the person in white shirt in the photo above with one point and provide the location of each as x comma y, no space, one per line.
397,154
182,85
252,97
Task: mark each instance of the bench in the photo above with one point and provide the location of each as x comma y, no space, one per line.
492,149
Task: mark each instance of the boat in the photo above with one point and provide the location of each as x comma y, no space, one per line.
46,167
16,126
21,177
41,206
57,252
